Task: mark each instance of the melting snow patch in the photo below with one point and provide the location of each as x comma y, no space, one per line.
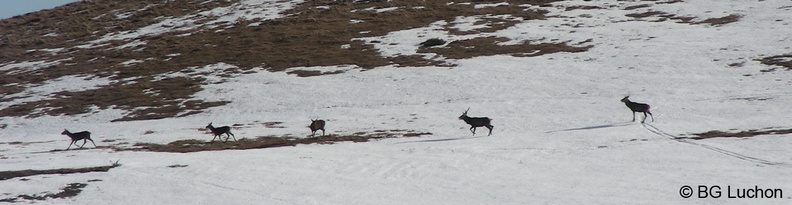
133,44
131,62
28,65
261,10
481,6
405,42
213,73
45,90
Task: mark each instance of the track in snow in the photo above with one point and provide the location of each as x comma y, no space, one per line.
657,131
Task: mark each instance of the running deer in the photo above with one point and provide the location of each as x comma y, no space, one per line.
317,125
219,131
637,107
84,136
475,122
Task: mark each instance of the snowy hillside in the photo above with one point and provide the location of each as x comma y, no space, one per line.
549,73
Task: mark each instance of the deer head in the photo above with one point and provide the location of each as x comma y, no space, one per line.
464,114
625,99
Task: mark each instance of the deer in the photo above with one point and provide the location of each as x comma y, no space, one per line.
317,125
220,131
84,136
637,107
475,122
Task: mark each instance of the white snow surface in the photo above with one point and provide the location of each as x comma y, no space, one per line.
560,135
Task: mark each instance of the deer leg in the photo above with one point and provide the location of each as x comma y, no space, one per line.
232,135
644,119
650,114
490,129
84,141
70,143
323,132
633,116
473,130
92,142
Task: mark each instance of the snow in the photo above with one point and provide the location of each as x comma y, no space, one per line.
47,89
260,10
20,67
561,136
130,62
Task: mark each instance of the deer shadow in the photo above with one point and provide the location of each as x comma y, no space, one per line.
622,124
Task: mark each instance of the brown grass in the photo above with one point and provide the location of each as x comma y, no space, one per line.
662,15
731,18
783,61
185,146
683,19
312,36
740,134
71,190
4,175
488,46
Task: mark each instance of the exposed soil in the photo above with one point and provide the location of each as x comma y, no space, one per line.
4,175
185,146
740,134
317,33
71,190
782,61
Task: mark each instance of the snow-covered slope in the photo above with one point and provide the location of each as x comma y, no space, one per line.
560,133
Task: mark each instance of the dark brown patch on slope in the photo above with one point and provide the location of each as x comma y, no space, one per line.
71,190
4,175
489,46
663,16
740,134
783,61
184,146
311,36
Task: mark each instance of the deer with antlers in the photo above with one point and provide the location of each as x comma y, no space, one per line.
637,107
475,122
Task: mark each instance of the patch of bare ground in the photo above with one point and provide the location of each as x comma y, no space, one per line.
71,190
185,146
489,46
570,8
4,175
663,16
740,134
781,61
316,33
731,18
637,6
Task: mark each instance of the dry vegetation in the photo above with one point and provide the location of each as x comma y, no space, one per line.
782,61
71,190
312,36
316,33
663,16
184,146
740,134
4,175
